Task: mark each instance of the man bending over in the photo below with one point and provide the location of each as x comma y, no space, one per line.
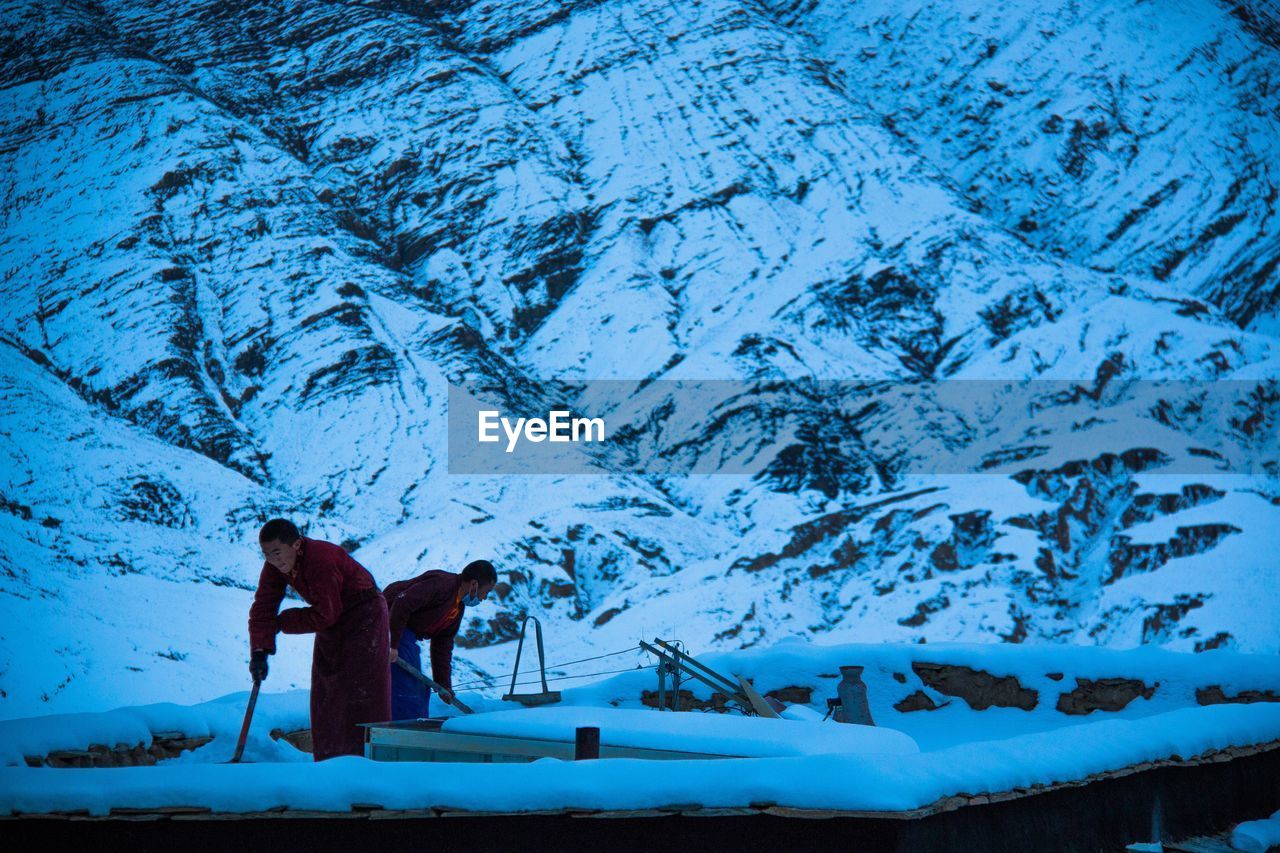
430,607
350,683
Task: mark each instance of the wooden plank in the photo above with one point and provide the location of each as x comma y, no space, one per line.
758,703
161,810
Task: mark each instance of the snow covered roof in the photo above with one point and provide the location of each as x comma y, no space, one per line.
848,783
717,734
916,762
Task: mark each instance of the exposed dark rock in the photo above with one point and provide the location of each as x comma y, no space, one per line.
1127,558
807,535
11,506
1217,641
502,627
924,610
1023,308
980,689
972,536
686,701
736,630
918,701
793,695
1146,506
1159,624
1105,694
154,501
354,368
1215,695
817,462
606,616
1150,203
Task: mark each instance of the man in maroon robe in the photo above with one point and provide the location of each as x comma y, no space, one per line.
430,606
350,682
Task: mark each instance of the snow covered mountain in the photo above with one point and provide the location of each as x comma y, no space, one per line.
248,247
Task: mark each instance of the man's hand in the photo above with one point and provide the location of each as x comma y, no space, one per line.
395,655
258,665
447,695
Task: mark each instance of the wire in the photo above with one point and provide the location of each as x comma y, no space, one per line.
491,679
583,675
597,657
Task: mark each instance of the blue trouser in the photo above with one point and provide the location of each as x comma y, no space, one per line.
410,698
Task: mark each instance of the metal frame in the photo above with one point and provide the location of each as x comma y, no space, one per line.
546,697
672,659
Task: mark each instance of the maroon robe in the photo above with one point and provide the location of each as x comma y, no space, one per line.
429,606
350,679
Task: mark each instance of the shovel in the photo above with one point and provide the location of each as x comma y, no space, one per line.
409,668
244,729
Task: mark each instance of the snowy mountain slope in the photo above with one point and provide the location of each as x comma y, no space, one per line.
269,329
1110,550
128,564
217,328
1139,137
420,149
269,239
125,568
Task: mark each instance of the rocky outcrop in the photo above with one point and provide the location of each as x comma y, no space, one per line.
1215,695
718,702
684,700
970,542
978,688
1103,694
1056,119
917,701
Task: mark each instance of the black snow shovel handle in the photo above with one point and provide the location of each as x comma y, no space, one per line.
248,716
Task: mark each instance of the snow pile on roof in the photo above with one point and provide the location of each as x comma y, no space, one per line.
220,719
1257,836
851,782
1161,680
1171,678
823,766
716,734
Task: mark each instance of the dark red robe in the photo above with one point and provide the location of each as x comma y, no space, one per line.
429,606
350,679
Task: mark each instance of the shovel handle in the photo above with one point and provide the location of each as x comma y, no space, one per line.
412,670
248,717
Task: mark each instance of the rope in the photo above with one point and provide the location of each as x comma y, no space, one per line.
488,681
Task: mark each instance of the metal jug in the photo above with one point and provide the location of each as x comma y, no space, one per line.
853,707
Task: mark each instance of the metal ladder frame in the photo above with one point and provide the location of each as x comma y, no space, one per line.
672,659
546,697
